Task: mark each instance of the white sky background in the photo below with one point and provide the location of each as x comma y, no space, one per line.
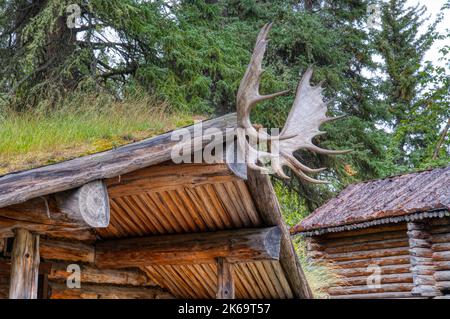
434,8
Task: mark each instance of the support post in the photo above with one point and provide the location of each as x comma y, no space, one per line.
225,282
422,268
24,266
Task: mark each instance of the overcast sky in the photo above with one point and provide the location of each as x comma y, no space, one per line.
434,7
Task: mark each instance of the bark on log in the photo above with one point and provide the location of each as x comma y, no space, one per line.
268,207
24,266
225,280
241,245
60,291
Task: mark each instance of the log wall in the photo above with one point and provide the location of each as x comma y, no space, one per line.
413,260
440,235
358,256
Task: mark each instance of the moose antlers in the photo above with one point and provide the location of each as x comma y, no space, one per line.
305,118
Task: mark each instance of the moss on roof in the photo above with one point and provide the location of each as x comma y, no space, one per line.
32,139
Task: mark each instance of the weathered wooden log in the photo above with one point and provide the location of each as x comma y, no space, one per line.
441,238
441,247
442,265
441,256
225,280
384,279
89,204
373,245
24,266
395,260
443,285
241,245
66,251
61,291
422,267
379,231
364,289
383,295
368,254
91,275
20,187
7,227
443,229
365,271
266,202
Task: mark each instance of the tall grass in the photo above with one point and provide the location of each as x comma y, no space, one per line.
320,276
80,125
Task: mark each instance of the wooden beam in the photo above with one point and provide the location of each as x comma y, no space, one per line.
241,245
88,291
24,266
88,204
66,251
268,207
92,275
20,187
225,280
83,208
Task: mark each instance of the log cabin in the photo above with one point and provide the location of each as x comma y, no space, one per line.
136,225
142,221
386,238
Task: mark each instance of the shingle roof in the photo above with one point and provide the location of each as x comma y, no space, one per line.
379,199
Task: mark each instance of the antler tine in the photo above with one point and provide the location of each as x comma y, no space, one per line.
302,175
248,94
319,150
301,166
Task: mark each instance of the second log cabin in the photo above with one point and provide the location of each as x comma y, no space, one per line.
386,238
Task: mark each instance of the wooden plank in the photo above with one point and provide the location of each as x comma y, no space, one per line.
20,187
235,245
88,291
168,177
268,207
225,280
24,266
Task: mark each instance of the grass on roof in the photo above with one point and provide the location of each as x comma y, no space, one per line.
80,126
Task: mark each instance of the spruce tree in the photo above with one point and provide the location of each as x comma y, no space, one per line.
414,115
